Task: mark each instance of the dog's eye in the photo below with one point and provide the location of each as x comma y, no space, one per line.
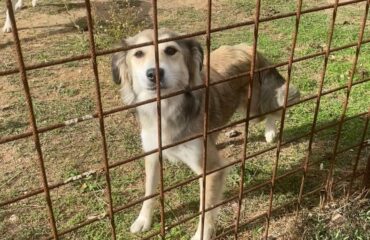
170,51
139,54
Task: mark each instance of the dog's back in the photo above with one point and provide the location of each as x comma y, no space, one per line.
268,85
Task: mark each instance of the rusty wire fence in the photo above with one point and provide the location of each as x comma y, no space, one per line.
100,114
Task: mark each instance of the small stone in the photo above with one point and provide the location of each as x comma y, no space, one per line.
92,217
13,218
334,205
337,219
5,107
271,238
232,133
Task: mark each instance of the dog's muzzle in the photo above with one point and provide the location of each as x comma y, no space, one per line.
151,76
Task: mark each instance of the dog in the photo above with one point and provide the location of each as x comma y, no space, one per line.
181,67
17,5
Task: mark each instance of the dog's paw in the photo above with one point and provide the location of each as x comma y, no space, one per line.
18,6
207,235
34,3
270,136
196,237
7,28
141,224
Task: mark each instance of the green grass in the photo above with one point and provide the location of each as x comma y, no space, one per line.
67,91
352,221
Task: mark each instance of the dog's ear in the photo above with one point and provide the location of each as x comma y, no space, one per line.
119,64
121,75
116,60
196,51
193,59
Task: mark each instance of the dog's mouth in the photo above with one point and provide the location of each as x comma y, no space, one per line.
154,88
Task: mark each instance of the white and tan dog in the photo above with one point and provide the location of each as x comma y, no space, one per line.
180,68
17,5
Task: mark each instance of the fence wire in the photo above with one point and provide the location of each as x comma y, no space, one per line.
100,114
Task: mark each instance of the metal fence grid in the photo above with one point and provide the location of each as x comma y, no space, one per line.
235,228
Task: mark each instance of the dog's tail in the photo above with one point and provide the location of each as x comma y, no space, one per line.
293,95
273,91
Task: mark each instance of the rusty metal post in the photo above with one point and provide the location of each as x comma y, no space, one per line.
100,114
318,101
35,133
159,118
205,117
99,106
330,178
282,119
247,116
358,155
367,174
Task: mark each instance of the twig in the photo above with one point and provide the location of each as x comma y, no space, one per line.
82,175
9,180
71,16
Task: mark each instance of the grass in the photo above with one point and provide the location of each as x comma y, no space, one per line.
339,220
67,91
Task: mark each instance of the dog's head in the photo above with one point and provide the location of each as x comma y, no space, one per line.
180,64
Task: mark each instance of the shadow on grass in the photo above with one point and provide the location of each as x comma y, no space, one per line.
290,184
63,29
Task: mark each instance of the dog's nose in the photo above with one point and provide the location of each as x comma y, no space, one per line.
150,74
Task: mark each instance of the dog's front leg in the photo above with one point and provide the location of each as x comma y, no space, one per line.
213,195
7,25
18,5
270,129
144,220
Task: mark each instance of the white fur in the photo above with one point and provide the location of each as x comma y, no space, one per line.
270,129
176,77
17,5
181,115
